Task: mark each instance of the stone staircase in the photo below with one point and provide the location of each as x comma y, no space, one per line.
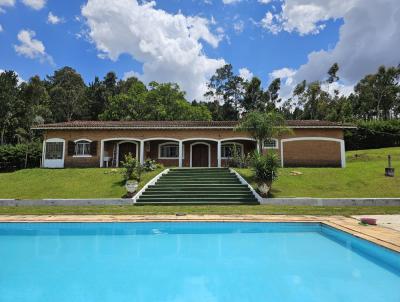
198,186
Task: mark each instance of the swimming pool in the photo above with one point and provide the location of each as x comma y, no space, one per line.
192,262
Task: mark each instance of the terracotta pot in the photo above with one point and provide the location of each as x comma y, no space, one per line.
370,221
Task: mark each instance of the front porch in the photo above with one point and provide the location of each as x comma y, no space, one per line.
171,152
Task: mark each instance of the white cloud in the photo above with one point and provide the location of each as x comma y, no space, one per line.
284,74
368,38
35,4
130,74
238,26
264,1
168,45
53,19
6,3
1,28
307,16
32,48
271,23
245,74
230,1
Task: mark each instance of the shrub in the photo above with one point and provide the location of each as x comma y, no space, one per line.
132,168
239,160
13,157
373,134
151,165
265,167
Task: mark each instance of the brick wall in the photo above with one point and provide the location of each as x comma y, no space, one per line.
298,153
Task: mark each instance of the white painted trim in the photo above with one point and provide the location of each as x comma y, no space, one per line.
130,142
231,143
181,154
244,182
167,143
219,154
60,161
316,138
82,156
83,139
271,148
150,183
110,140
209,152
141,153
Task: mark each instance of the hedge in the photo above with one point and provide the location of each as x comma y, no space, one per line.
14,157
373,134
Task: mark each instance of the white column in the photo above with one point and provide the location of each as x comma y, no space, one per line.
101,154
43,154
141,152
180,154
219,154
343,154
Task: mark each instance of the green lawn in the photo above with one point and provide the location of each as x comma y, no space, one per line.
66,183
363,177
197,209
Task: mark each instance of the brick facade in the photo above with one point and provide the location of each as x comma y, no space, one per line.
307,146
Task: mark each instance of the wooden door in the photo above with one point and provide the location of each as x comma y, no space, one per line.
125,149
200,154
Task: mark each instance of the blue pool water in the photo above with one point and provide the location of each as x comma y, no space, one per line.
192,262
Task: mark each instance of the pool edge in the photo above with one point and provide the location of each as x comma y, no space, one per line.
387,238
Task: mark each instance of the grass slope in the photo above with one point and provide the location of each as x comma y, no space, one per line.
66,183
363,177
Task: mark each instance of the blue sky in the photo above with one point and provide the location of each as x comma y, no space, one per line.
260,37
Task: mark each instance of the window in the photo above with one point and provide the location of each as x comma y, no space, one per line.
228,150
168,150
82,148
54,150
271,143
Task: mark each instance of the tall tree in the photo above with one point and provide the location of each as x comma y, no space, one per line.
9,100
67,94
263,126
227,88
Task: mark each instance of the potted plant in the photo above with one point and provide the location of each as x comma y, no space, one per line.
265,170
132,173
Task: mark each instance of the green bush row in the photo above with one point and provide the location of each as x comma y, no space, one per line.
13,157
373,134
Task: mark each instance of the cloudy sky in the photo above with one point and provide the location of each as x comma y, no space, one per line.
184,41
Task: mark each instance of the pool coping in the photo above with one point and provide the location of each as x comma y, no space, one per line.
379,235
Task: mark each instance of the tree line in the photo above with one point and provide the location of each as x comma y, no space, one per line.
64,96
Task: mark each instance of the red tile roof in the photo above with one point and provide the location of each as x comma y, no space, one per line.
179,124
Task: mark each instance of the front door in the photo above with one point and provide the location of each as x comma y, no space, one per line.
200,155
125,149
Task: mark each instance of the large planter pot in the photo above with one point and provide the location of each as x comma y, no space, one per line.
264,188
131,186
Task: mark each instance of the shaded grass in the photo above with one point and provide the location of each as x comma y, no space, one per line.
197,209
363,177
66,183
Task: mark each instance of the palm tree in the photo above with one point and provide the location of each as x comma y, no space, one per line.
263,126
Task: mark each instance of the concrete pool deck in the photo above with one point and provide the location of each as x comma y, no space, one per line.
386,237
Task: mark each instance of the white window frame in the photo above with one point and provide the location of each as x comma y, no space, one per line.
169,143
231,143
276,144
82,140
